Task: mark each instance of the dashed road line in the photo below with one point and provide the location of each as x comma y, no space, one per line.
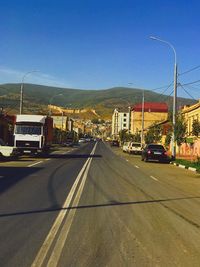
136,166
154,178
31,165
47,159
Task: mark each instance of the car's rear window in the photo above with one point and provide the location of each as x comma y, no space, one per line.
136,145
155,147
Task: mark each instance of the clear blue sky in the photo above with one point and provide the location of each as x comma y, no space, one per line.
98,44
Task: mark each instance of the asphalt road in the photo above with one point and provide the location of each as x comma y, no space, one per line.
96,206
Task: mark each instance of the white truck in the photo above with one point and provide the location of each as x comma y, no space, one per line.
33,133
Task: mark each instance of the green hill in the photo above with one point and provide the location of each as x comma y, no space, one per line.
37,97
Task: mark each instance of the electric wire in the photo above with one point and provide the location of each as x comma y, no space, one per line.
190,70
161,87
198,81
186,91
162,94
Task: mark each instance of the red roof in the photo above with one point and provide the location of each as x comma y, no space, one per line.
151,107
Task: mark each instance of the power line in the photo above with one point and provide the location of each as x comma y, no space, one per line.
164,86
165,90
168,96
195,68
186,91
198,81
193,87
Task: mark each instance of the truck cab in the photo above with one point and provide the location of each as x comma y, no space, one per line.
33,133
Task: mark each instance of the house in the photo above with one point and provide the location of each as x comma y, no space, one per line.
190,114
192,146
154,112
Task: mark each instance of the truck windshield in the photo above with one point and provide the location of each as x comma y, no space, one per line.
24,129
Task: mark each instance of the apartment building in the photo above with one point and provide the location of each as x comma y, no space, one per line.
120,121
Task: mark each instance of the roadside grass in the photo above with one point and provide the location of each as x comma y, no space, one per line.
187,163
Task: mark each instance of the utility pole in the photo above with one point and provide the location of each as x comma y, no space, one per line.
129,120
142,131
174,112
21,98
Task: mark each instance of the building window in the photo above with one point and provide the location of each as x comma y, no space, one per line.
124,124
124,120
124,114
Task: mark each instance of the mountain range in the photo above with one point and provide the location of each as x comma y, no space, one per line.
37,98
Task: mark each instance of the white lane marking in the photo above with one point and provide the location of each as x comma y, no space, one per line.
127,160
31,165
154,178
56,253
61,216
47,159
136,167
53,231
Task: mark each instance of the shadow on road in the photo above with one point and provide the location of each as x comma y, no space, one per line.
103,205
75,156
68,156
12,175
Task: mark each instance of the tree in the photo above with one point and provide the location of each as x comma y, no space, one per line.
168,139
180,130
154,134
196,128
136,137
124,136
149,137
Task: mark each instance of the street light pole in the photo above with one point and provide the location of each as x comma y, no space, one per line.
142,131
175,93
22,90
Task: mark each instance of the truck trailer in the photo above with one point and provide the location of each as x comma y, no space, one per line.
33,133
6,136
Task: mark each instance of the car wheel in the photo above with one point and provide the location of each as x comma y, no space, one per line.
142,159
145,159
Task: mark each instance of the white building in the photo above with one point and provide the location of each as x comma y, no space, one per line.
120,121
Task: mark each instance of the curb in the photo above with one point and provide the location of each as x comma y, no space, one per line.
184,167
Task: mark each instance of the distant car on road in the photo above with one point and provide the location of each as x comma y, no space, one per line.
114,143
82,140
135,148
154,152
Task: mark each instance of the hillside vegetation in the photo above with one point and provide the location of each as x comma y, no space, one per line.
37,97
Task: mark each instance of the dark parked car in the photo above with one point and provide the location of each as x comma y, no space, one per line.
154,152
114,143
